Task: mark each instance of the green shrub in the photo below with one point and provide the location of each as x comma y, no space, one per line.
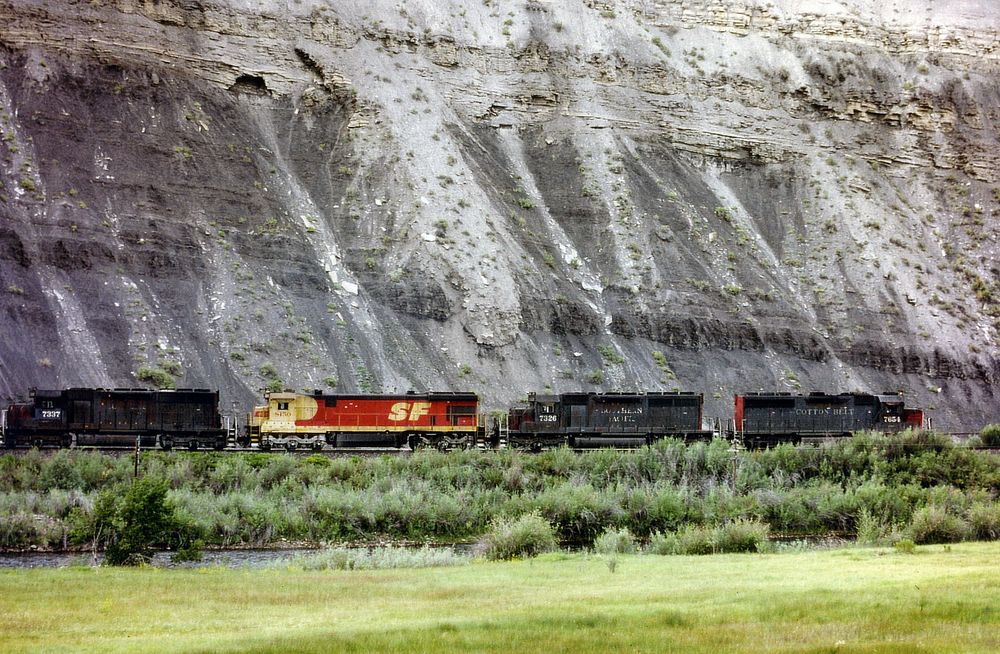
615,541
984,521
663,544
740,536
870,530
20,530
130,524
905,546
694,539
523,537
933,524
579,512
155,376
990,435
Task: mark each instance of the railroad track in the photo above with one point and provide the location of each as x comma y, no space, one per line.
123,450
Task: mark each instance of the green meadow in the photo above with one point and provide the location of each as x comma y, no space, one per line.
938,598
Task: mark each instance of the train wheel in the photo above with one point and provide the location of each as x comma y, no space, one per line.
317,446
193,445
166,443
291,445
419,442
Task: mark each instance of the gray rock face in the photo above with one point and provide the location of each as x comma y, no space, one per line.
503,197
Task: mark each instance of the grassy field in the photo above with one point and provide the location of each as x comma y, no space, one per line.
939,599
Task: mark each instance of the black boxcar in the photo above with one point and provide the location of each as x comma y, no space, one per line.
769,418
583,420
87,416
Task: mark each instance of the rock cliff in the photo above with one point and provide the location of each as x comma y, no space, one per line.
708,195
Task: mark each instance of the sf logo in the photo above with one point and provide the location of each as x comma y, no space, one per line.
409,411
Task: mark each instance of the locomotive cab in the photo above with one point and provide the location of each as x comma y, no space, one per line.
894,416
282,419
38,423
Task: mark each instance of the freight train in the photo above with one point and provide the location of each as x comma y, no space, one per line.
190,418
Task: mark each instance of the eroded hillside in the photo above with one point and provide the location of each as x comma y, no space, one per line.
503,196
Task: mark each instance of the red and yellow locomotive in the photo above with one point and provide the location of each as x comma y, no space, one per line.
296,420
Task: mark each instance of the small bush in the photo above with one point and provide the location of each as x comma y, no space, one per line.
871,530
523,537
663,544
379,558
905,546
737,536
740,536
694,539
156,376
20,530
984,521
615,541
933,524
990,435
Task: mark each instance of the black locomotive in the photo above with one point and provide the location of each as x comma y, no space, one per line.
582,420
86,416
763,419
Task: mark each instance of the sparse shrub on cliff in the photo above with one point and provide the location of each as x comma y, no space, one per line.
608,354
659,44
724,213
155,376
171,367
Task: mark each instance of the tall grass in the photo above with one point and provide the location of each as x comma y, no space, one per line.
871,486
378,558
